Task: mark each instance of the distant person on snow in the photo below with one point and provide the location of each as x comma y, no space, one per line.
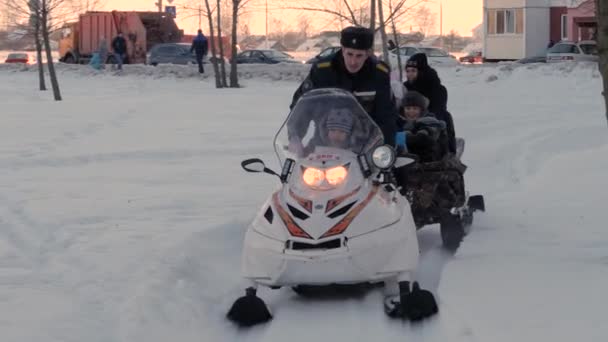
200,46
119,46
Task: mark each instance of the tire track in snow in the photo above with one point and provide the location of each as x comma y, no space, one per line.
141,155
21,232
524,155
186,295
69,137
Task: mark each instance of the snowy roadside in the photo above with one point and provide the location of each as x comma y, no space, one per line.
297,72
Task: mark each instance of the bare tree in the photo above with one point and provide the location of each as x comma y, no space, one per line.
82,6
383,32
213,12
451,38
9,19
354,12
365,14
216,71
304,25
226,15
35,22
48,6
340,9
44,17
243,29
237,11
220,42
396,40
372,15
602,40
4,17
58,12
278,30
424,19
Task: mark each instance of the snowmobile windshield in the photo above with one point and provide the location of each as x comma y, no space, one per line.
328,118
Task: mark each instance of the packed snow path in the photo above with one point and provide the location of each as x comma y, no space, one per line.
122,210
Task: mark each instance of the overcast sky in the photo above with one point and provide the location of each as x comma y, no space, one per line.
459,15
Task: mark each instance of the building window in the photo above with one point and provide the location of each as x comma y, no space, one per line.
505,21
500,22
491,20
508,21
564,27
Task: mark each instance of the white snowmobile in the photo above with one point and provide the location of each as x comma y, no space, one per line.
338,217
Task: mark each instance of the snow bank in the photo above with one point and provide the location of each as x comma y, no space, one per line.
275,72
297,72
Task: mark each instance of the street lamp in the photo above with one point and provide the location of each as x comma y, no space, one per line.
441,22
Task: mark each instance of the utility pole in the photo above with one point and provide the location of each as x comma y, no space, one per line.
441,22
200,15
266,36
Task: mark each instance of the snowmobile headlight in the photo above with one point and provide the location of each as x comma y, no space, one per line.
336,175
313,177
383,157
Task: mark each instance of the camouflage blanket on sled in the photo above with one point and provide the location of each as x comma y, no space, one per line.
433,188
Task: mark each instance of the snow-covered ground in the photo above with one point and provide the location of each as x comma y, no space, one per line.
122,209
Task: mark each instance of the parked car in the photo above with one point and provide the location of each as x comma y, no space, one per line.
435,56
264,57
175,53
571,51
534,59
170,53
17,58
324,53
472,57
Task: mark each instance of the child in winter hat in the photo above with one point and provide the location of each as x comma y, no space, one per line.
422,134
339,127
414,106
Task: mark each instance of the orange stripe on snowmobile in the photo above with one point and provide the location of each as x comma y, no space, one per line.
306,204
332,203
290,224
341,226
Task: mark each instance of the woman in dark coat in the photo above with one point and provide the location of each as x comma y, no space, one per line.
425,80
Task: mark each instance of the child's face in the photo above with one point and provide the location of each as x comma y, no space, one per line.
411,73
412,113
337,138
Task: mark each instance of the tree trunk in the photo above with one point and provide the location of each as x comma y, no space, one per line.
372,16
396,39
234,77
39,63
602,41
216,71
221,44
383,32
49,55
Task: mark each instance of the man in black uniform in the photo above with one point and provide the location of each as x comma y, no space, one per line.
354,68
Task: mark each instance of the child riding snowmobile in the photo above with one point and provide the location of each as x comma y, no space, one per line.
435,184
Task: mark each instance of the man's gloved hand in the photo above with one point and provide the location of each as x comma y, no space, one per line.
295,147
